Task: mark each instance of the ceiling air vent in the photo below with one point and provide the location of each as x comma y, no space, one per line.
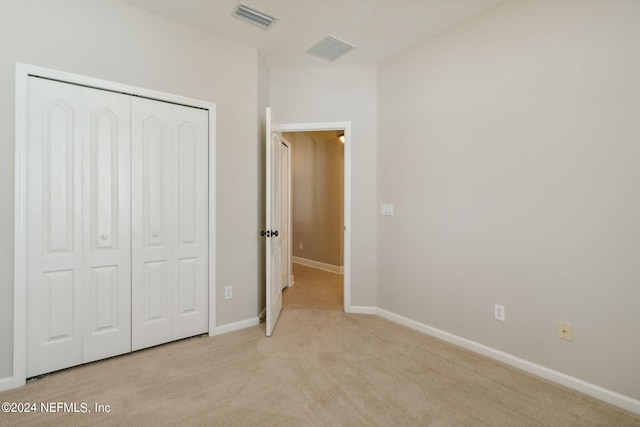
254,16
330,48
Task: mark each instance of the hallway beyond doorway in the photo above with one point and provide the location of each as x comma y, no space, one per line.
314,290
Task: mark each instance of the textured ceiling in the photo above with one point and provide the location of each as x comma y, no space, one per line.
379,29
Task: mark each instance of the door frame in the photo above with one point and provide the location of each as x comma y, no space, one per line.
288,207
23,72
335,126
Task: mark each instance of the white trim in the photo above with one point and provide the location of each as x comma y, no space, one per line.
20,232
577,384
289,219
357,309
23,71
305,127
235,326
6,383
338,269
212,218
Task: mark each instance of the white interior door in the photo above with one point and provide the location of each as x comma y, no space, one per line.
191,222
170,222
152,237
111,189
107,224
273,241
78,251
54,231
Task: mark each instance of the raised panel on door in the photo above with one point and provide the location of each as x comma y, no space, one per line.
107,219
54,226
152,235
190,218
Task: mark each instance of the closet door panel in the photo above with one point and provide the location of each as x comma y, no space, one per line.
107,224
54,232
191,221
117,224
187,286
156,140
152,234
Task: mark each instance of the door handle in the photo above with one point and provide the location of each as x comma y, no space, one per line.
274,233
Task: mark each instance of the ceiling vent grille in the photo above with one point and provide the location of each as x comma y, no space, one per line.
330,48
254,16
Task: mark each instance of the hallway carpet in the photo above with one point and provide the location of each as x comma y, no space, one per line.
314,290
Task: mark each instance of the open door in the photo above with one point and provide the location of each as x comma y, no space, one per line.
271,233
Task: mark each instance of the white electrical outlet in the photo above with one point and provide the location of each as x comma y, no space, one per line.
228,292
500,313
300,246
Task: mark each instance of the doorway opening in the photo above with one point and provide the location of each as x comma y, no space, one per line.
320,214
317,220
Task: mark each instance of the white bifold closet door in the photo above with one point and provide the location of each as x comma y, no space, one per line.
117,224
170,222
78,226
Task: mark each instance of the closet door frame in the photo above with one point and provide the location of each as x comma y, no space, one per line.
23,73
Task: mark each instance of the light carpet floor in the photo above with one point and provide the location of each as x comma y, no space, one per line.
320,368
314,289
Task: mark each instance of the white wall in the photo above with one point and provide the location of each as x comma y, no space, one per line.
113,41
509,146
342,95
264,101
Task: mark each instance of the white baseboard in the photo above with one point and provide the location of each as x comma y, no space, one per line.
6,383
319,265
592,390
356,309
235,326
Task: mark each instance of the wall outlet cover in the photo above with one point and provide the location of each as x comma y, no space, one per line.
564,330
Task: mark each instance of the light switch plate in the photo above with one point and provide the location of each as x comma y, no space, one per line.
386,210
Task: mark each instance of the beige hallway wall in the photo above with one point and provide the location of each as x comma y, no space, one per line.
317,162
